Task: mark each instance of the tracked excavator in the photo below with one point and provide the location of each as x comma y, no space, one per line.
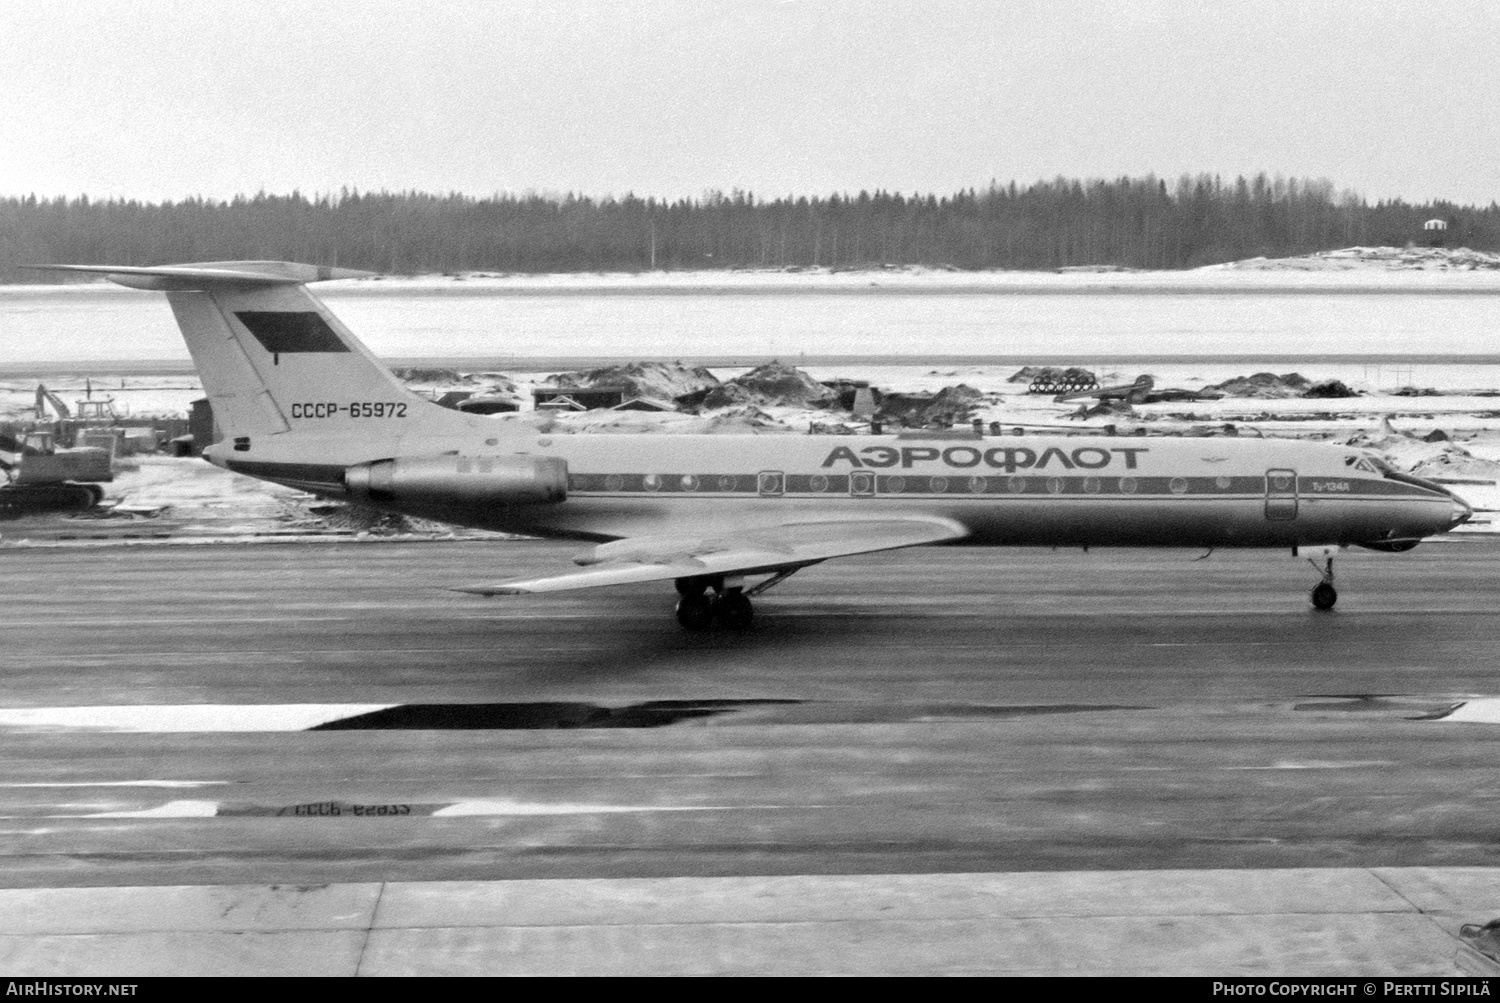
40,476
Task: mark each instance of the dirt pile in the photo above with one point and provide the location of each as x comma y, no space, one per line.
333,515
1113,408
1425,456
1266,386
772,384
948,407
446,377
1330,389
657,380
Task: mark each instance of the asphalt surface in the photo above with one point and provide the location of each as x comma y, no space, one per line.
941,710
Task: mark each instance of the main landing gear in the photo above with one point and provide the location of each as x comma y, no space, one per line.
729,604
1324,595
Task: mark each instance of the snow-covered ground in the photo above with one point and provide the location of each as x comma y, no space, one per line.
1373,266
1355,302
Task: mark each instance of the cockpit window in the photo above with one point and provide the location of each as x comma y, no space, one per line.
1368,464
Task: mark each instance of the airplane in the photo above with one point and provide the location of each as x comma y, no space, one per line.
303,403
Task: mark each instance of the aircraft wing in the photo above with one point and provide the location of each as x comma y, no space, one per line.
761,551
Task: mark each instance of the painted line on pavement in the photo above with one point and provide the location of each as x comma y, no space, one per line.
1483,710
192,808
161,719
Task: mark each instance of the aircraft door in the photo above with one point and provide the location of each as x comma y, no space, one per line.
771,483
1281,495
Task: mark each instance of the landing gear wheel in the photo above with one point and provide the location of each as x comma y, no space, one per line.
1324,596
696,612
733,610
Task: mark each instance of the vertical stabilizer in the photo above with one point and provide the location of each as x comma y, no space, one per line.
274,359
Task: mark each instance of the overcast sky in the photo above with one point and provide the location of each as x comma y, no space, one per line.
162,100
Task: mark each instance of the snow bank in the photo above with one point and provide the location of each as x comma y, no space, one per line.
1371,259
1358,266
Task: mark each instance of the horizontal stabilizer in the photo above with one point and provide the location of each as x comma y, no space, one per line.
210,274
767,551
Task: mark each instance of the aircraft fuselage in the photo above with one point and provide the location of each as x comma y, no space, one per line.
1006,490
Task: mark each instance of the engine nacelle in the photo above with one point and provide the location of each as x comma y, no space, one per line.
449,480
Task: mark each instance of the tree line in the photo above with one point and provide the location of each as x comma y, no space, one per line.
1143,222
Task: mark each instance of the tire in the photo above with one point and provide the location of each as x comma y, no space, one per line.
695,612
734,610
1324,596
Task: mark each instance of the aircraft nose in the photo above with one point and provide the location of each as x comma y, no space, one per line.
1462,513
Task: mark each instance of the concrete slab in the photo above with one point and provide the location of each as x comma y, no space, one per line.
1213,945
1469,892
301,953
1336,921
884,897
230,908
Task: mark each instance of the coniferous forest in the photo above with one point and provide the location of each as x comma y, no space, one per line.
1133,222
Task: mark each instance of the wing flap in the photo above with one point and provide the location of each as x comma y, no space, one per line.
779,548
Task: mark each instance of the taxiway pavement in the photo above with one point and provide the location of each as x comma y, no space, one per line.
893,718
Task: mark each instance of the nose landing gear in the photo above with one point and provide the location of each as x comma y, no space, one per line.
1324,595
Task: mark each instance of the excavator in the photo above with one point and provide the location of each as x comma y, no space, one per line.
40,476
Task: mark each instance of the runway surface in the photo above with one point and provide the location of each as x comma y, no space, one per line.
891,718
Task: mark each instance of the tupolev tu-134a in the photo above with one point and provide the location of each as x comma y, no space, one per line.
303,403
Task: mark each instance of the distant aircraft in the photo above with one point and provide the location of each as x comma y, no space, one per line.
303,403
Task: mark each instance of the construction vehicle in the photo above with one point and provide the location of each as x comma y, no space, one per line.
40,476
45,397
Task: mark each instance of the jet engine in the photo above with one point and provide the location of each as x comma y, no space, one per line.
452,480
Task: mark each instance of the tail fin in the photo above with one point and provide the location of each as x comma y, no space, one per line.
272,357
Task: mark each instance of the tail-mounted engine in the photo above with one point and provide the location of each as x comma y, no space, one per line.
450,480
